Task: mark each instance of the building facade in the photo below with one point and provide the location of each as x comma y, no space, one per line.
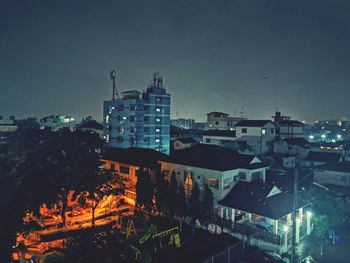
58,122
139,119
221,121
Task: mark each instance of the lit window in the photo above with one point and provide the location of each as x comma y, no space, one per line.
157,109
157,130
263,131
227,183
157,120
157,140
124,118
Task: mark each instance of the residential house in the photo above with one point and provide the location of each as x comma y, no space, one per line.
316,158
292,146
261,212
218,137
333,174
259,134
221,121
126,162
218,167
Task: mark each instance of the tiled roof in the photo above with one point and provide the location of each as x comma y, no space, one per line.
220,133
252,197
135,156
252,123
323,156
211,157
290,123
339,167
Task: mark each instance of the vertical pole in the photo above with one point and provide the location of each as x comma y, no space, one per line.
294,215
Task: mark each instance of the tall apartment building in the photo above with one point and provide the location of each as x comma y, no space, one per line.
139,119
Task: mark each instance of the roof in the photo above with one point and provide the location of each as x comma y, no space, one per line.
212,157
135,156
302,142
186,140
253,197
217,112
220,133
253,123
339,167
290,123
323,156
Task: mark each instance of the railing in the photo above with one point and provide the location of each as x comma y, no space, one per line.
250,232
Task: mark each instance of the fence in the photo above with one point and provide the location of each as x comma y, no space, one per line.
250,231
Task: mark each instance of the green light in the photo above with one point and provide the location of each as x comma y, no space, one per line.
338,136
311,137
323,136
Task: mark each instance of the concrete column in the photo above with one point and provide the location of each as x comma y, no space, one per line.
285,239
301,214
308,225
250,217
233,213
275,225
297,233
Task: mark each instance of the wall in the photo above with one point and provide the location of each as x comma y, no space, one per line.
332,177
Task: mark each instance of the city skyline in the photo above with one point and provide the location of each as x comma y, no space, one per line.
260,55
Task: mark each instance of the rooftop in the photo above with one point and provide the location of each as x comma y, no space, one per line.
253,123
260,198
339,167
135,156
186,140
213,157
318,156
220,133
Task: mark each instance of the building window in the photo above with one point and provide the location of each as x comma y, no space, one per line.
263,131
244,130
213,182
158,99
243,175
227,183
132,118
157,130
188,184
157,119
272,131
216,123
132,107
157,140
256,175
157,109
207,140
124,170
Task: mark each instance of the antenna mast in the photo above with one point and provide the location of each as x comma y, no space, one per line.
113,76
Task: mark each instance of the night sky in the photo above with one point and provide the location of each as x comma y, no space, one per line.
55,55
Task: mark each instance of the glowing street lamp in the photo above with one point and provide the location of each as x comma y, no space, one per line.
323,136
311,137
338,136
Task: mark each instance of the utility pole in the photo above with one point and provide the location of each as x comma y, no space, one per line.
294,215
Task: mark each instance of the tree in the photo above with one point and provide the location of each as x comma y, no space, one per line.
181,206
195,204
172,197
161,191
144,190
207,206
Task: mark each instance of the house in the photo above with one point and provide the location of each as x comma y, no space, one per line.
125,162
182,143
292,146
262,212
221,121
218,167
259,134
337,174
218,137
58,122
316,158
287,128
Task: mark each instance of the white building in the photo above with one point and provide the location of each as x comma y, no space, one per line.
58,122
337,174
218,137
221,121
7,125
259,134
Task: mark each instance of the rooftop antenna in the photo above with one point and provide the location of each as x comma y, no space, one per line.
113,76
242,113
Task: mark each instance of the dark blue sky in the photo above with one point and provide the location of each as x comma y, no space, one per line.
55,55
